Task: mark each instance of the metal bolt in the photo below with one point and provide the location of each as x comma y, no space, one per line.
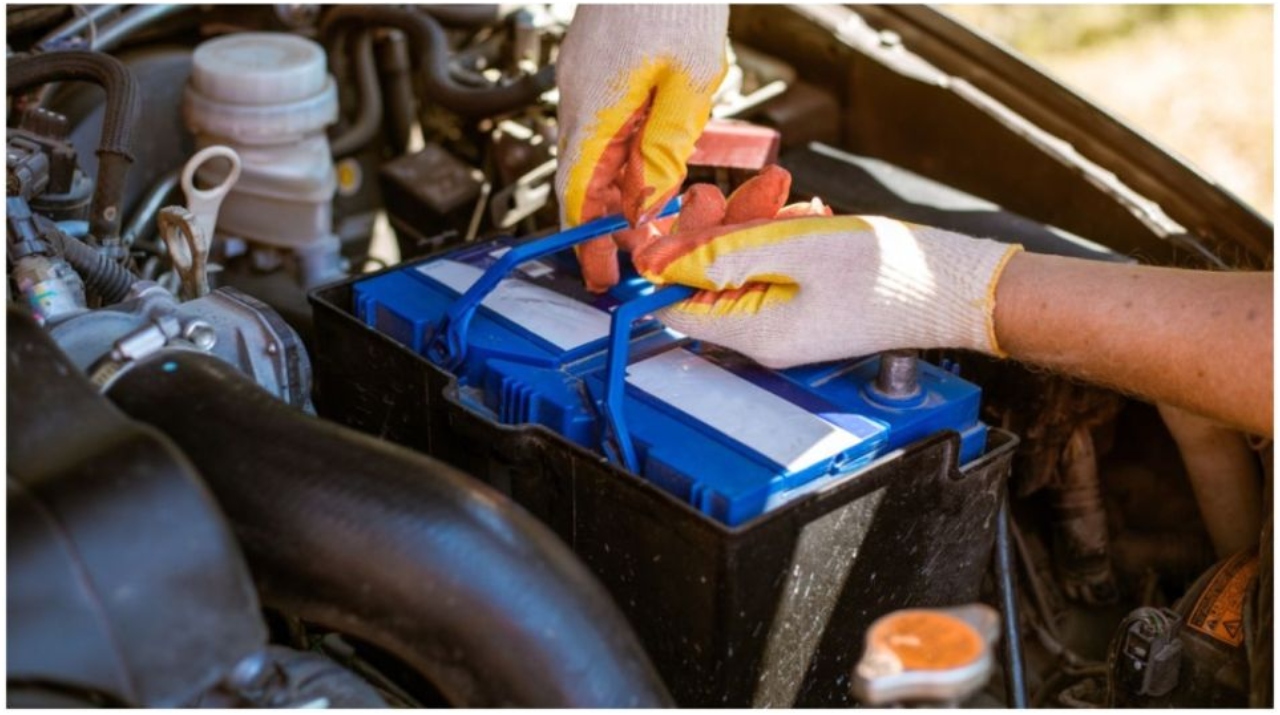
899,376
201,334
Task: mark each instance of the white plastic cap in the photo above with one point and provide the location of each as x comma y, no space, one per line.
260,88
258,68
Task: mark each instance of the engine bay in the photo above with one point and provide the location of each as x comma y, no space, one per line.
309,406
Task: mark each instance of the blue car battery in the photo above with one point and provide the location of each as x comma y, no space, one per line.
529,345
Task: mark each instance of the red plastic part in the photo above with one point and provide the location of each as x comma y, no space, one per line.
735,144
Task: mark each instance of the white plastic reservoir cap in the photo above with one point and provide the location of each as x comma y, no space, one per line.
260,88
259,68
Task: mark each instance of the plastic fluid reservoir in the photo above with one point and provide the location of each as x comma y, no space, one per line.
269,96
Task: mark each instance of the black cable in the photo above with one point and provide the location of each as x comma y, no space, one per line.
430,56
369,119
120,116
1015,671
102,276
477,15
33,17
1037,589
395,72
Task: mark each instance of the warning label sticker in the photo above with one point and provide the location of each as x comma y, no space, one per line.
1220,610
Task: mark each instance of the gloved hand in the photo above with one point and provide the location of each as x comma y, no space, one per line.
636,83
786,287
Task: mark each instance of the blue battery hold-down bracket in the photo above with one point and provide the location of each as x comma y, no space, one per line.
448,347
617,444
528,344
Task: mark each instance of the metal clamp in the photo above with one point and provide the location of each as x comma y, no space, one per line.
447,346
152,337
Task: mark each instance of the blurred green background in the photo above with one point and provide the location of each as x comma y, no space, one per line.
1195,78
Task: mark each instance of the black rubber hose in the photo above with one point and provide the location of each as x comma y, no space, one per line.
122,108
397,86
467,15
369,118
33,17
395,548
462,67
430,56
1015,672
102,276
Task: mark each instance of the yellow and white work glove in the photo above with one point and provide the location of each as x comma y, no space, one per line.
636,83
794,285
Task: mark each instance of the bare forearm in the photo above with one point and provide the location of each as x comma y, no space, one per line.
1199,340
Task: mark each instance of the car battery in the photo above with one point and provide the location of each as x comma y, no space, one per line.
751,523
725,435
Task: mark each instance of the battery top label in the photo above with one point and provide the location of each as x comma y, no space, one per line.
560,320
778,430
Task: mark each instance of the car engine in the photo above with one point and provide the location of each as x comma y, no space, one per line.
308,405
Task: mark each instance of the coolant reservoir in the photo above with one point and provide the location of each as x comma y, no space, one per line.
269,96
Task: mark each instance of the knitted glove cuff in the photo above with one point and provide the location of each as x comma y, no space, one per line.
965,273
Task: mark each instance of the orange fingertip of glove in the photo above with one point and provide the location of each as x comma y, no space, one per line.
761,196
599,260
703,206
707,216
